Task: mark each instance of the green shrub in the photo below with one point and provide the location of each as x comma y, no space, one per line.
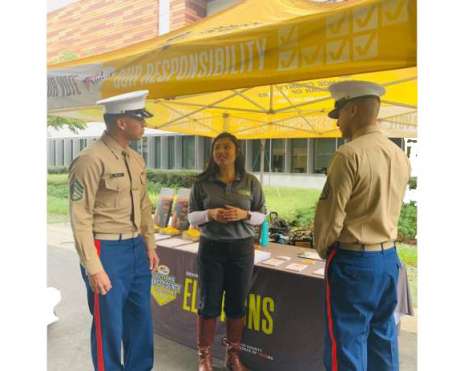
407,225
413,182
58,170
304,217
154,188
166,178
171,178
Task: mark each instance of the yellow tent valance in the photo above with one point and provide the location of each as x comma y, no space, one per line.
259,69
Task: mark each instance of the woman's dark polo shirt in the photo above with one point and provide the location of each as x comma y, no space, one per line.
245,193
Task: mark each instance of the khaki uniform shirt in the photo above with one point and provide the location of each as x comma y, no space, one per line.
363,194
108,194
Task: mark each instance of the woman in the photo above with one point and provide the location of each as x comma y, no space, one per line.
225,202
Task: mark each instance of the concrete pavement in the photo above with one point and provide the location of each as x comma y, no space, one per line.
68,339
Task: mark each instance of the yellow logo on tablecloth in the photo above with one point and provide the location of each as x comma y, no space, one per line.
164,288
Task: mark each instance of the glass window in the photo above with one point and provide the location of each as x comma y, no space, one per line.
243,146
256,155
154,158
398,141
278,155
82,144
215,6
299,155
324,149
171,152
136,145
188,152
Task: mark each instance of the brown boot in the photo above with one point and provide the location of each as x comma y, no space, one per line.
206,328
234,336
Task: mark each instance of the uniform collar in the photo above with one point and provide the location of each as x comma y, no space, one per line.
367,130
114,146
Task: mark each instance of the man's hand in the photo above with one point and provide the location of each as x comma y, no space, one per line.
153,259
100,283
234,214
217,215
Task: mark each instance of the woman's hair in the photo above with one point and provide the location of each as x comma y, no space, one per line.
212,169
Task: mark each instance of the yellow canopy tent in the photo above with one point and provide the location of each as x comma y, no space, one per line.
259,69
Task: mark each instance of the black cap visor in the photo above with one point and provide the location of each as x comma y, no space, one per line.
139,114
339,104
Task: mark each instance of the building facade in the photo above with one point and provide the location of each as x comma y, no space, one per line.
287,162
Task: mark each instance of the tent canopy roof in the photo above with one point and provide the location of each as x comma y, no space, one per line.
258,69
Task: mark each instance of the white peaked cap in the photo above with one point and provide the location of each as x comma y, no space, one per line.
132,104
345,91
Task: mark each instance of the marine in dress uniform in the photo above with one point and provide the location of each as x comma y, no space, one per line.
114,237
355,228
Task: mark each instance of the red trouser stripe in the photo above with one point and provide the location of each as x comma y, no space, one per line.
329,312
98,327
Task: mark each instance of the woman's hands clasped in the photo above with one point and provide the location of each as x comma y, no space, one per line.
227,214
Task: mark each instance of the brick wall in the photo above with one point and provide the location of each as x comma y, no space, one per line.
90,27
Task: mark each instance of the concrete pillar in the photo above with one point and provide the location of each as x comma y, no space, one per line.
76,148
68,148
51,152
199,152
310,162
288,155
59,155
164,152
178,152
150,152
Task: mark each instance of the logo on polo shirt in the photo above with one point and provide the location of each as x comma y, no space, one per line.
244,192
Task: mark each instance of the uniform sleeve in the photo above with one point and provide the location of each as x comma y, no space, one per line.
84,177
330,211
146,225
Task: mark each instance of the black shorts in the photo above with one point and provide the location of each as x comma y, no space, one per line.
224,266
